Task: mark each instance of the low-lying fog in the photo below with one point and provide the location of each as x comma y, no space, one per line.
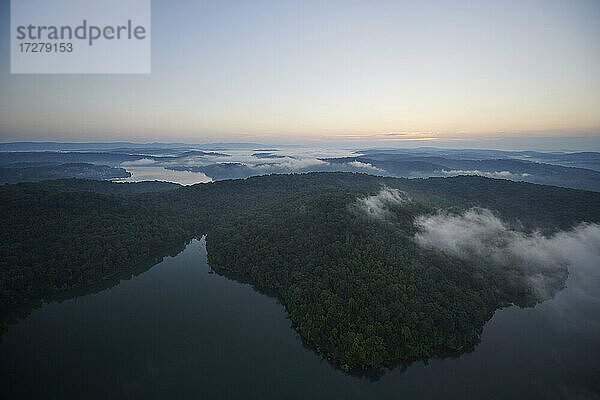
225,162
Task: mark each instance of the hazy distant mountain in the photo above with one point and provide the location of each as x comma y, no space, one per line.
30,159
241,160
75,170
517,166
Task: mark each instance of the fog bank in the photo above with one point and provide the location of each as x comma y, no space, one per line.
535,261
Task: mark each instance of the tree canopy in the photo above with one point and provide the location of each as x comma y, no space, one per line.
360,292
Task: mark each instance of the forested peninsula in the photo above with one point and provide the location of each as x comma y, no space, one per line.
357,286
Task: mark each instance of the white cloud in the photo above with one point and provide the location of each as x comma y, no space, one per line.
492,174
367,166
539,262
378,206
142,161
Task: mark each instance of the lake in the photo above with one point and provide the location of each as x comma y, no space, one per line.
179,331
158,173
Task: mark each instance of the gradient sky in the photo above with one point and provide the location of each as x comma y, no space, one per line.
320,71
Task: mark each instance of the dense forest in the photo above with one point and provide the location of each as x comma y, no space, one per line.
360,292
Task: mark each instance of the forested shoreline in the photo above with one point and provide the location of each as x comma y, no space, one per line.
360,292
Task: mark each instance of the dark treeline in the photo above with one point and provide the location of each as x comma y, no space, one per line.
33,173
362,293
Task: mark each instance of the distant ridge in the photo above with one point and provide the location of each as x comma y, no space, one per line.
58,146
80,146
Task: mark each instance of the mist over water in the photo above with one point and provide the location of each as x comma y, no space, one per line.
158,173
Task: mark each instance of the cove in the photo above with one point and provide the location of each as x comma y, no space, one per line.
180,331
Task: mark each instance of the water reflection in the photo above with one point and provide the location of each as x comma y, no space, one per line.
178,331
157,173
144,265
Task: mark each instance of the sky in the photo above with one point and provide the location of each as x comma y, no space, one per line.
458,73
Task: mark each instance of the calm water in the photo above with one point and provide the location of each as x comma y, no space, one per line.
178,331
157,173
